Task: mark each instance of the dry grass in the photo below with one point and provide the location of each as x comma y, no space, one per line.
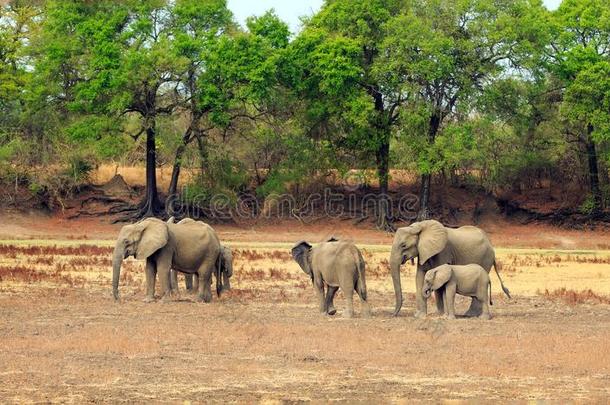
33,250
65,340
572,297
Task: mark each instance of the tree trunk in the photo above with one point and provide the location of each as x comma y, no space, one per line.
424,198
151,206
203,154
424,194
593,171
173,184
384,220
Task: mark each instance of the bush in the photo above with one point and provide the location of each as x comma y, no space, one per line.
588,206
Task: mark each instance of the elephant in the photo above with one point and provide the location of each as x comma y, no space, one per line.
434,244
470,280
190,247
224,269
334,264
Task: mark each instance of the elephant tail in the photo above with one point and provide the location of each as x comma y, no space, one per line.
506,291
361,279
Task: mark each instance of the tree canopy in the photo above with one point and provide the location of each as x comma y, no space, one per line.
484,91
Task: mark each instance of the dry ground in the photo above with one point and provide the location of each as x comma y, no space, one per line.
65,340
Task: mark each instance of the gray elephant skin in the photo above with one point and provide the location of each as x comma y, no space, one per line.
223,270
332,265
470,280
223,273
191,247
434,244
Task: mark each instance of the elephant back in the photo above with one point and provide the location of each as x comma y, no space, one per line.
470,244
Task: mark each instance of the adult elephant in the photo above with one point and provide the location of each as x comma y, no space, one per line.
223,269
433,244
190,247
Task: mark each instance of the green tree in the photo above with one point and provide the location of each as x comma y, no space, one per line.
117,64
442,53
197,28
578,55
335,62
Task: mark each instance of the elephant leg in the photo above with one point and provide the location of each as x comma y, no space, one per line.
188,282
150,275
174,281
205,279
440,306
364,305
421,302
349,302
449,300
319,286
164,263
195,280
485,314
330,296
475,308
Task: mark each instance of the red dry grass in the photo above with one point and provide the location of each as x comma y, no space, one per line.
251,255
80,250
32,275
572,297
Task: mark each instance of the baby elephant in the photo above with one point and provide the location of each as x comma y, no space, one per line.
470,280
333,264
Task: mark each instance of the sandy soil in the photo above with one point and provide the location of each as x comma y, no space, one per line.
503,233
65,340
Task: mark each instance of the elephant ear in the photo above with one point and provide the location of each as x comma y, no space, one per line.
442,274
432,239
300,253
153,237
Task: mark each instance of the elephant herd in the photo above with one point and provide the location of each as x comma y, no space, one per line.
450,261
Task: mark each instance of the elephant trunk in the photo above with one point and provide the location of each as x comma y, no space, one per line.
395,263
117,259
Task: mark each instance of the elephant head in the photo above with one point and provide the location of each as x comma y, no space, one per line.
422,240
435,279
224,269
300,253
139,240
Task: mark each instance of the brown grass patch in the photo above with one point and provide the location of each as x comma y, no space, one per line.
31,275
80,250
572,297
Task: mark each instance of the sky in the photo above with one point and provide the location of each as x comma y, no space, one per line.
291,10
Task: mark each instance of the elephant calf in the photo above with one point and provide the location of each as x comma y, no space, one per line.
334,264
470,280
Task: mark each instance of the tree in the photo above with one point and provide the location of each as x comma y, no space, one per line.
198,26
232,74
112,58
443,53
578,55
17,27
336,60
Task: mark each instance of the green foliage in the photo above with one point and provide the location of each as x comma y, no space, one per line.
587,99
588,206
270,27
301,162
494,90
